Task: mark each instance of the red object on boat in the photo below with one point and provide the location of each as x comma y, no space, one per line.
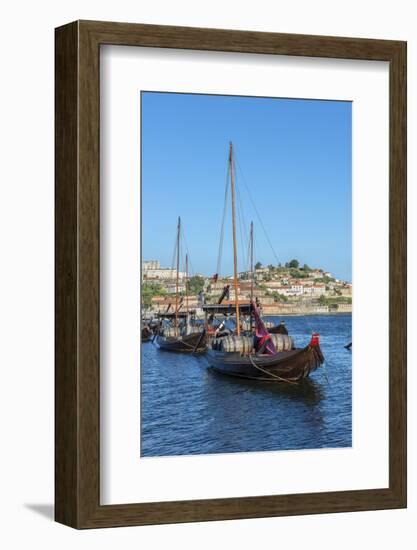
315,339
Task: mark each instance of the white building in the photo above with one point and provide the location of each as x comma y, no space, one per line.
150,264
163,274
283,290
315,290
296,290
171,288
152,270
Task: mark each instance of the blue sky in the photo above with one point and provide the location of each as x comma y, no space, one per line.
293,155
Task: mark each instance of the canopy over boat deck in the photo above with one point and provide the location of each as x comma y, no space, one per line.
227,308
172,315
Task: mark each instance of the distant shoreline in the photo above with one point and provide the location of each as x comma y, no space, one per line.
302,314
307,314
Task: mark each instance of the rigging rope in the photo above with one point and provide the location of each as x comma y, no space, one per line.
271,374
187,251
220,252
248,251
174,254
242,223
264,230
257,213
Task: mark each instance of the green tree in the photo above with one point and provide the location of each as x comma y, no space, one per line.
258,265
322,300
294,264
195,284
149,290
279,297
325,279
297,274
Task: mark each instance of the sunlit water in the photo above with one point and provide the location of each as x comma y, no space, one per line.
187,408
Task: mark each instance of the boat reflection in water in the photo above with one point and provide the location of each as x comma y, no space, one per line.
308,390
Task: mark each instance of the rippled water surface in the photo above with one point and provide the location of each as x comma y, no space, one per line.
187,408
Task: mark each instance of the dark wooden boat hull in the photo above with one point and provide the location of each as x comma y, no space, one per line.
278,329
287,366
183,344
146,334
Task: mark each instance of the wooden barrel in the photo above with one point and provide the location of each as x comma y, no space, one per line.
239,344
217,343
282,342
247,326
198,327
171,331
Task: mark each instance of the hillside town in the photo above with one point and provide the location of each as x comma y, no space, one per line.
289,289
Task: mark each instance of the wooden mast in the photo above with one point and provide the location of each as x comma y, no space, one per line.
251,273
178,269
251,261
232,180
186,282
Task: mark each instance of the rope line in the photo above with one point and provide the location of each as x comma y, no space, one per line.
174,254
242,223
187,250
271,374
257,213
220,252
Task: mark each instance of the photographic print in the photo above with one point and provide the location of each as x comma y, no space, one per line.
213,190
246,278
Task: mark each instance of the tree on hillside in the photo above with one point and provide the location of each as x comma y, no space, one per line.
195,284
279,297
297,274
322,300
294,264
258,265
149,290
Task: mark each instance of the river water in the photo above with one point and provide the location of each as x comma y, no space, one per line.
187,408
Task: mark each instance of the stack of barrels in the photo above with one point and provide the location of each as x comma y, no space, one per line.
171,331
247,326
245,344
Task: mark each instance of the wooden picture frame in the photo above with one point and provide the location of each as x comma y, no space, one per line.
77,374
